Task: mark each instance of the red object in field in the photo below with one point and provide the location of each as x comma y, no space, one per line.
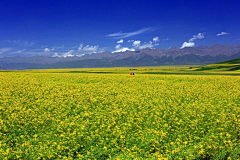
130,73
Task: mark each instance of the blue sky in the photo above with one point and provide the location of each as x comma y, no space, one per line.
77,27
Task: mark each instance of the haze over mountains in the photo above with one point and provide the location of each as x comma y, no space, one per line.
144,57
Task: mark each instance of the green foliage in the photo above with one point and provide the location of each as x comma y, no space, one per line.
232,65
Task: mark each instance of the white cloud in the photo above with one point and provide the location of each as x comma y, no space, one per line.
100,50
190,42
124,50
118,46
120,41
56,55
80,55
198,36
2,50
88,48
46,50
222,33
136,43
120,35
17,52
130,41
80,47
146,45
155,39
116,34
68,54
20,51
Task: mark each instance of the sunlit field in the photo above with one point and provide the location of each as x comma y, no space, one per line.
159,113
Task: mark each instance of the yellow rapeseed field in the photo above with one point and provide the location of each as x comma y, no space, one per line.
46,115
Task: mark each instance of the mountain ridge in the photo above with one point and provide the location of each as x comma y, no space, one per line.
144,57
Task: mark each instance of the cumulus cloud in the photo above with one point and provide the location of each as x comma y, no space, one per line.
103,49
124,49
222,33
155,39
88,48
121,35
80,47
46,50
120,41
190,42
198,36
118,46
82,50
146,45
136,43
68,54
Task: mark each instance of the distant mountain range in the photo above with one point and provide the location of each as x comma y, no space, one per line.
144,57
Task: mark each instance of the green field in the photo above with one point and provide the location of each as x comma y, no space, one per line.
166,112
